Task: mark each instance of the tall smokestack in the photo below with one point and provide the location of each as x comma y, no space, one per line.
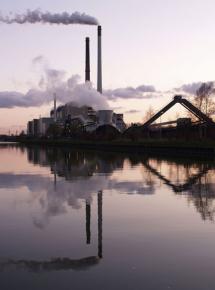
87,67
55,108
99,79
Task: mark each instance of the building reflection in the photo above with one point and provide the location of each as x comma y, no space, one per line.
69,164
62,264
188,178
80,175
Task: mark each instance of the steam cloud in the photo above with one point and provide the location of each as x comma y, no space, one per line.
54,81
55,202
37,16
68,90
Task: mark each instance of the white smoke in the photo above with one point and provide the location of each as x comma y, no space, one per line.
37,16
67,89
54,202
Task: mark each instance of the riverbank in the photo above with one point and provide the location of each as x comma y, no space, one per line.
160,147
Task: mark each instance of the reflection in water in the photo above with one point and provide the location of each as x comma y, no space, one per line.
90,172
100,224
194,180
199,187
58,264
88,215
78,176
158,217
187,185
202,194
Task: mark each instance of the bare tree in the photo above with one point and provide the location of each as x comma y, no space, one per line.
148,114
204,98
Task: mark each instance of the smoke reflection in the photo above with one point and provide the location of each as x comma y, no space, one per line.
185,177
78,176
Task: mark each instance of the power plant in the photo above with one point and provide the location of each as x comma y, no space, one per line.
71,120
80,118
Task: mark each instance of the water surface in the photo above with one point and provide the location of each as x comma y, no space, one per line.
89,220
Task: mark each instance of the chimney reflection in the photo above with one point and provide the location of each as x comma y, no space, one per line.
100,221
63,264
55,176
182,176
88,216
99,198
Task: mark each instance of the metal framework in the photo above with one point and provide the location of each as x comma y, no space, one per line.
185,103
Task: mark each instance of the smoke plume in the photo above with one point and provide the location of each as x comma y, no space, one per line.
67,89
37,16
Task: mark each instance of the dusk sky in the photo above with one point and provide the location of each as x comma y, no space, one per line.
165,44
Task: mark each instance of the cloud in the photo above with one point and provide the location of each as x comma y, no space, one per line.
54,200
132,112
38,59
67,89
131,93
116,108
191,88
70,89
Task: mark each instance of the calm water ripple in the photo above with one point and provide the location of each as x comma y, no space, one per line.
89,220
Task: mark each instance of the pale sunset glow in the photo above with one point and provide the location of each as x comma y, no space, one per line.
164,44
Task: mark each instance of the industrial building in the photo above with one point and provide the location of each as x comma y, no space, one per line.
39,127
84,118
44,124
74,120
30,128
